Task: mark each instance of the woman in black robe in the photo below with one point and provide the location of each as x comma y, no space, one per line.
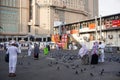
36,51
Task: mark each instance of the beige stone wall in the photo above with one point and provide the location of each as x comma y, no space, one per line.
49,14
45,12
115,40
93,8
44,20
20,10
24,19
73,17
24,16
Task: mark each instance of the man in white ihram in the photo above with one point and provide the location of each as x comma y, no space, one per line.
12,51
102,55
29,49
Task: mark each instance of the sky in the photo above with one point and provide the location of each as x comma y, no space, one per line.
109,7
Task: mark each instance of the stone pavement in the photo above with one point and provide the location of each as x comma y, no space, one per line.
61,65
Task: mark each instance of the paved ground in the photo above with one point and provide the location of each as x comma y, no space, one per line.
61,65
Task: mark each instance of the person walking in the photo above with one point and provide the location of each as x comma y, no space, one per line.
70,46
101,52
83,53
19,47
57,47
13,52
94,52
29,49
36,51
48,46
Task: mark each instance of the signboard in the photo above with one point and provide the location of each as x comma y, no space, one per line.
74,31
112,23
116,23
92,26
58,23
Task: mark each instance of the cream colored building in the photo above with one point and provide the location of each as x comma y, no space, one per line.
49,13
91,6
38,17
14,17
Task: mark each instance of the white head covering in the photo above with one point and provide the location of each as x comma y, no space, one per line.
12,42
95,48
83,50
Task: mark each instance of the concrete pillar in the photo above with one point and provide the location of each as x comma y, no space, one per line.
28,39
7,38
16,38
41,39
46,39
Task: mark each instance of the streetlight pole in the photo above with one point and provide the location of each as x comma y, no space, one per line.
60,29
96,28
100,28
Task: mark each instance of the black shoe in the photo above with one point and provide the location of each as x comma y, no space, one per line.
12,75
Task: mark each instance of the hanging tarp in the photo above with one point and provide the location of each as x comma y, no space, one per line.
45,51
92,26
74,31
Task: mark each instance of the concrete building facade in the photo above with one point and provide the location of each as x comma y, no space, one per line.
91,6
14,18
105,29
38,17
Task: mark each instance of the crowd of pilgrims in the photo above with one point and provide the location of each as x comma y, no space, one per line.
93,56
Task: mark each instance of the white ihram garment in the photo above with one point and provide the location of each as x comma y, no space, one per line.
29,50
102,56
70,46
83,51
13,51
19,48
